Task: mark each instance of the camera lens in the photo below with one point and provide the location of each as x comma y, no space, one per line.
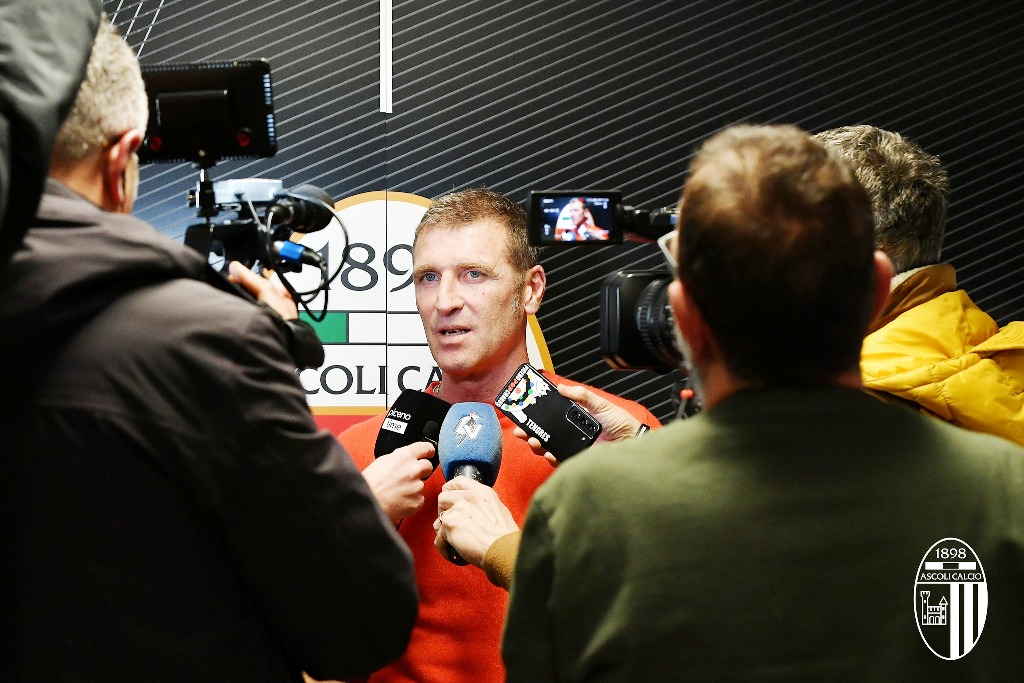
637,327
655,324
582,421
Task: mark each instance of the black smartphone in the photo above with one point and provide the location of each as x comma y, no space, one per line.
563,426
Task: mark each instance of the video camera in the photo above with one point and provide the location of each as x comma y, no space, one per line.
204,112
568,218
637,328
266,217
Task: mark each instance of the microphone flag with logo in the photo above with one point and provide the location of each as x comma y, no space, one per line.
414,416
470,445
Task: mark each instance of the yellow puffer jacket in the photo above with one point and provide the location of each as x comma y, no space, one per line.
934,347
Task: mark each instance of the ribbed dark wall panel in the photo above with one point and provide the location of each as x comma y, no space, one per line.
615,95
324,58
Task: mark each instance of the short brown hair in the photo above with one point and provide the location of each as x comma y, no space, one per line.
467,206
908,188
776,248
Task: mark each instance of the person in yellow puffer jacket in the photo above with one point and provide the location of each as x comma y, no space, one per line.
931,345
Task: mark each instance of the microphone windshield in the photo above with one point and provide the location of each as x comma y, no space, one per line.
414,416
470,442
305,208
432,432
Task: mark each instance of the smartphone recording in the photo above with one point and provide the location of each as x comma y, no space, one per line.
563,426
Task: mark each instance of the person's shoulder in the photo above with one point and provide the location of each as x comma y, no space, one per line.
978,456
675,439
360,438
970,443
604,479
636,460
199,334
190,307
988,464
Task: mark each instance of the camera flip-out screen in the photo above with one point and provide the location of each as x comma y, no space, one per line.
574,218
207,111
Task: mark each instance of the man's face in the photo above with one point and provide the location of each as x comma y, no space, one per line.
470,300
575,209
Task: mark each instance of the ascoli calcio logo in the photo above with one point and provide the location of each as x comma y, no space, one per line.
950,598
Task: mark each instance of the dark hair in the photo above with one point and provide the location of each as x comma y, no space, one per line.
776,248
468,206
908,188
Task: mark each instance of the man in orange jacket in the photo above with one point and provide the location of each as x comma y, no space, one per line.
477,279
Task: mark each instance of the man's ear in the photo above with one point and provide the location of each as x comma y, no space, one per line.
533,289
883,277
689,319
115,161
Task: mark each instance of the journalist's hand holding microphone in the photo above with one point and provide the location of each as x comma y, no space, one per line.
470,518
404,453
396,479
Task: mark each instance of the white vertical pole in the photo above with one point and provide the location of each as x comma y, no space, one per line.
385,56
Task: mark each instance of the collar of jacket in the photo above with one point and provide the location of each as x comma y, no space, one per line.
924,285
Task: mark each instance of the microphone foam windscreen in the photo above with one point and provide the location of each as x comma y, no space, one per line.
414,416
311,216
471,435
313,191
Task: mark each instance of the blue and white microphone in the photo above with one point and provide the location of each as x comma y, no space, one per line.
470,445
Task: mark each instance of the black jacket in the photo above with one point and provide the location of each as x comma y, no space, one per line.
176,515
44,47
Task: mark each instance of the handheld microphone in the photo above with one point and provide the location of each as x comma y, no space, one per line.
470,445
414,416
306,208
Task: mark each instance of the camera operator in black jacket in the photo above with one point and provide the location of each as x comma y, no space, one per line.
174,513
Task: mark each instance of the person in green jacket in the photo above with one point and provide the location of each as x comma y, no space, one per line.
798,529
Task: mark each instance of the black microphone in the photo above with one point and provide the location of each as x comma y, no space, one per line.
414,416
432,432
470,445
306,208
